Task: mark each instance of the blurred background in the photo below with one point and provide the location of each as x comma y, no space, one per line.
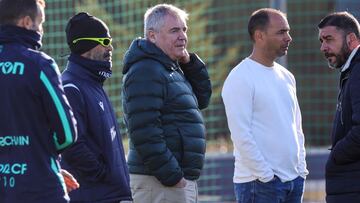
218,34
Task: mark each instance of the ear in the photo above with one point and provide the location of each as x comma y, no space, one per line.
25,22
350,39
151,36
258,35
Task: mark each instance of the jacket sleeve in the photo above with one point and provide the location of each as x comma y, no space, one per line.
238,96
57,108
347,149
196,73
144,90
79,156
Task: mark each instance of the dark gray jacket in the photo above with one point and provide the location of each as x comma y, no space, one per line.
161,103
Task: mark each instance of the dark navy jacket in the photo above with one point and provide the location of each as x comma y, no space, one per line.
343,165
161,103
97,159
36,122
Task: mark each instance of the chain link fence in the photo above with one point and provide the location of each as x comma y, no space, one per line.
218,34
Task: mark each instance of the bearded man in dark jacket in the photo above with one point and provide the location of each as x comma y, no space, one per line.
164,88
97,159
339,34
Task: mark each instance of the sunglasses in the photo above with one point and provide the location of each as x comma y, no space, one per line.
106,41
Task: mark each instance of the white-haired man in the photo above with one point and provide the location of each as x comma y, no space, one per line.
164,88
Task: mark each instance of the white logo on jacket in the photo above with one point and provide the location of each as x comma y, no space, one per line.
113,133
101,104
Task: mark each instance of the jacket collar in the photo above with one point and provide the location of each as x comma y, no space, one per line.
14,34
97,71
348,61
82,72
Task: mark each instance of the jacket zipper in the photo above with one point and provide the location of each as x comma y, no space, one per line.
339,105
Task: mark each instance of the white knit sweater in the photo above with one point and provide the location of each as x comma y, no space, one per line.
265,122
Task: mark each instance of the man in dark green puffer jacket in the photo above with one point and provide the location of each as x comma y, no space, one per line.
164,88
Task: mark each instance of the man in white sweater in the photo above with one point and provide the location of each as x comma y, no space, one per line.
264,117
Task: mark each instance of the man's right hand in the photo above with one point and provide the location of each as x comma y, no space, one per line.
181,183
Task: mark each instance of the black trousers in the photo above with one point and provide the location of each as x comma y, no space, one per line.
343,198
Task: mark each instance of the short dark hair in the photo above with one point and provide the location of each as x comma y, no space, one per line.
259,20
13,10
342,21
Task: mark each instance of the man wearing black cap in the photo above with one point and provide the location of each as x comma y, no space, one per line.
97,159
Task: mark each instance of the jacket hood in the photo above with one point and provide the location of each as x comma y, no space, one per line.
144,49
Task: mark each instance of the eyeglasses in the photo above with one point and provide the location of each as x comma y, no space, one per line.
106,41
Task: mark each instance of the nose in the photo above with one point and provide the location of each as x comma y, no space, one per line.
288,38
323,47
110,47
182,35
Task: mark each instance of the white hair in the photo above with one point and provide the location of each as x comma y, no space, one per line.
154,16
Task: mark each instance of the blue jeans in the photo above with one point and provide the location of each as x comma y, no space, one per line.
274,191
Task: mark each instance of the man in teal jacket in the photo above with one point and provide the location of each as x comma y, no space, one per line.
36,121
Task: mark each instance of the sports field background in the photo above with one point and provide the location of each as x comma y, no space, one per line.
218,34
